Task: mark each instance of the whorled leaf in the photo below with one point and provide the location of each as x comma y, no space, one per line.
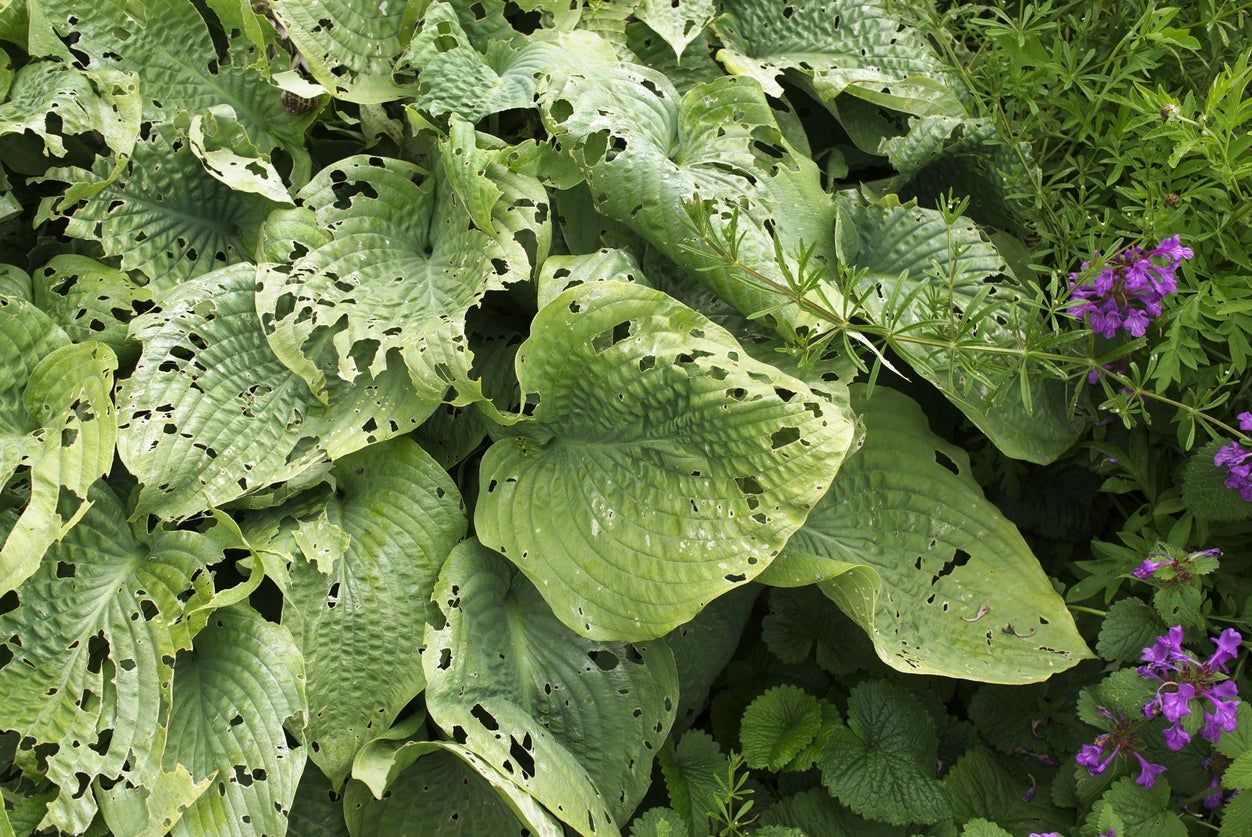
857,47
234,691
57,420
908,546
91,648
352,601
210,414
397,259
680,464
518,688
918,267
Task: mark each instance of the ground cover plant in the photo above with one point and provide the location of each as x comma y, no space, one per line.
668,419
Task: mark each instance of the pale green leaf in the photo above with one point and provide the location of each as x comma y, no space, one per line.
359,623
517,686
91,301
681,465
150,810
223,146
233,693
92,646
210,414
945,584
679,22
82,102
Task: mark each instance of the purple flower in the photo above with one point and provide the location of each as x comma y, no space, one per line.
1148,568
1245,422
1148,772
1044,834
1126,293
1185,680
1238,463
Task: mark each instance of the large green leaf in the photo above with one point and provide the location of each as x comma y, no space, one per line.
647,153
919,267
938,578
165,216
210,414
363,556
395,260
574,722
837,46
181,66
92,645
233,693
680,464
91,301
350,45
82,102
56,419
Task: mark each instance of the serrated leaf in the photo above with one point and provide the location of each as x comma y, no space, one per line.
165,216
778,725
515,685
1237,816
882,764
1129,627
241,683
357,624
1204,488
802,621
91,300
815,813
692,770
1121,693
396,264
92,645
1143,810
58,421
934,596
983,828
681,472
659,822
1239,773
899,248
210,414
981,787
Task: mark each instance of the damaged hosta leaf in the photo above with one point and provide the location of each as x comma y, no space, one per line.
219,140
91,648
647,153
918,267
517,687
681,465
399,257
210,414
679,22
356,612
836,46
349,46
941,581
91,301
82,102
57,423
234,691
165,216
400,784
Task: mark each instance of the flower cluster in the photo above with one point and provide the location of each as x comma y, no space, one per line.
1126,294
1237,461
1179,568
1097,756
1184,679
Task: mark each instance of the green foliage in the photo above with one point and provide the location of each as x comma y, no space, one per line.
405,406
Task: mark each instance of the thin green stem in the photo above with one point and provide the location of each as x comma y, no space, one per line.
1093,611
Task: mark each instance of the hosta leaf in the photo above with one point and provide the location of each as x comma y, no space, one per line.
402,263
680,464
181,67
837,46
317,810
679,22
517,686
703,647
946,584
443,793
210,414
57,419
647,153
233,693
882,764
150,810
350,45
778,725
82,102
358,622
166,217
223,146
92,644
91,301
899,249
